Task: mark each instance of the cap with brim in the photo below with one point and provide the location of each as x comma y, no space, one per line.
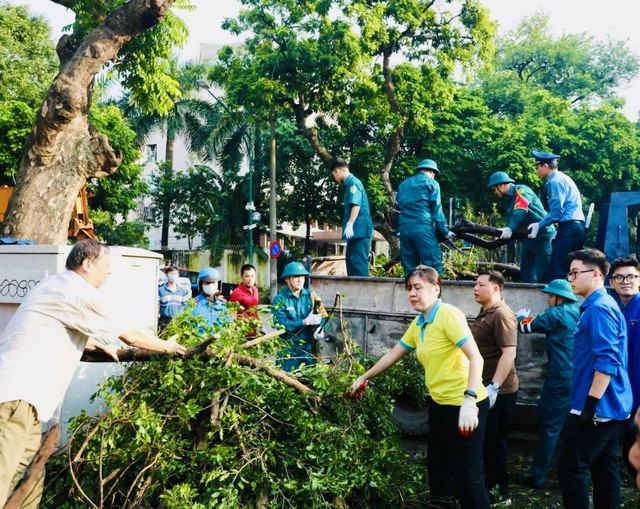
544,157
561,288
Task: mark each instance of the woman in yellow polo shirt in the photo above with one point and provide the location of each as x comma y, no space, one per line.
458,410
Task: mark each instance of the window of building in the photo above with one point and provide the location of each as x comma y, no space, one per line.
152,153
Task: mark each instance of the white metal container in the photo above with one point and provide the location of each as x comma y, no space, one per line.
131,289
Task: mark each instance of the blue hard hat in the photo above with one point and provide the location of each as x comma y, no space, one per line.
499,177
561,288
294,269
544,157
209,274
427,164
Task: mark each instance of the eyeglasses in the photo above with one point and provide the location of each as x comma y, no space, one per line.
574,273
619,278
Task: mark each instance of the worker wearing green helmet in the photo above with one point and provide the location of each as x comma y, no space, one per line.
523,208
293,310
557,323
419,219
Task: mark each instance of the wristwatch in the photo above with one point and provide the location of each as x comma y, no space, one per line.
495,385
470,393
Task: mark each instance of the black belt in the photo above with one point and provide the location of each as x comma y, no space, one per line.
571,221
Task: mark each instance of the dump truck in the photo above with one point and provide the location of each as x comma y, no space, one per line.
378,313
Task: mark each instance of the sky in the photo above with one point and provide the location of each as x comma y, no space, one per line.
599,19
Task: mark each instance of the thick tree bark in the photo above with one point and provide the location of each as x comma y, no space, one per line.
63,149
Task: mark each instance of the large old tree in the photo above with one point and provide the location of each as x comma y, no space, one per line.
64,149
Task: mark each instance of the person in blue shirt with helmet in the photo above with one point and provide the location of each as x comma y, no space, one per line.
601,395
209,304
565,210
419,219
523,207
357,226
557,323
292,310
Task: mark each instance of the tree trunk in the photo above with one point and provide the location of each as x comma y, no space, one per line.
64,150
166,209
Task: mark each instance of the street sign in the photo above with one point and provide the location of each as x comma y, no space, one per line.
249,226
276,249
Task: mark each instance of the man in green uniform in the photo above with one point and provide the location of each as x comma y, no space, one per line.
558,323
523,208
419,219
357,227
293,311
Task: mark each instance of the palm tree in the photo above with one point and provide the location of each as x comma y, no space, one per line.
186,119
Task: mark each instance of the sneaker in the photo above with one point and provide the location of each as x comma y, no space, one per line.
499,498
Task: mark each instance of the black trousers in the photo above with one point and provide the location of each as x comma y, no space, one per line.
454,461
592,450
496,452
570,237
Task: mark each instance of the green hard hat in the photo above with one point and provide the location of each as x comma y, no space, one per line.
562,288
499,177
294,269
427,164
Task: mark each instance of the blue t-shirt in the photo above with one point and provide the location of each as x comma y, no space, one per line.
600,344
631,314
171,303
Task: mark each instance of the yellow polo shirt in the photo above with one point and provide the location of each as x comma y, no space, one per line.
436,340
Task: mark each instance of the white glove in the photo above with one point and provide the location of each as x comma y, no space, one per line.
318,334
468,417
313,319
533,228
493,394
505,233
357,387
348,231
523,313
450,236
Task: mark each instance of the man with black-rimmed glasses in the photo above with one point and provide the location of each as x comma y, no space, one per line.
625,280
601,392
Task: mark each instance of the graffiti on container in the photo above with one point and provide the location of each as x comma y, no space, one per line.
16,288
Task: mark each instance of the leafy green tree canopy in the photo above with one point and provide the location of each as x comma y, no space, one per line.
28,60
574,66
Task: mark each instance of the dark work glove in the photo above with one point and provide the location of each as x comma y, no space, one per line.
588,414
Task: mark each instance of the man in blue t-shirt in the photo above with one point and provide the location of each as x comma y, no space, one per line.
172,298
625,280
601,393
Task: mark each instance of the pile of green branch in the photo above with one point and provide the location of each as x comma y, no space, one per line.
225,428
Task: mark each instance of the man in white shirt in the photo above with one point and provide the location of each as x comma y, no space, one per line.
41,347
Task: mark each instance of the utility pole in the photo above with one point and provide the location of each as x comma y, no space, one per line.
273,234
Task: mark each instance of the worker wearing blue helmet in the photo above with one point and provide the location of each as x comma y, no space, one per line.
209,304
557,323
523,207
419,219
293,310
